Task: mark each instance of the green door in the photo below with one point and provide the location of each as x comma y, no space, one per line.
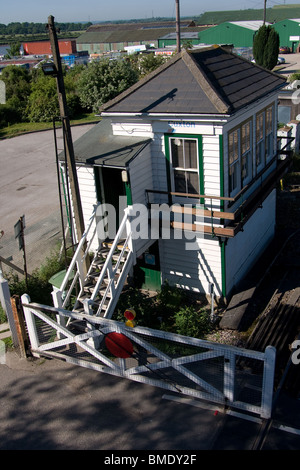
147,274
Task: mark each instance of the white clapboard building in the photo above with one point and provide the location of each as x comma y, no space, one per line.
195,143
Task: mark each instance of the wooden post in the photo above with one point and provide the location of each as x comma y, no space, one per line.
178,39
30,322
20,325
70,157
6,304
265,11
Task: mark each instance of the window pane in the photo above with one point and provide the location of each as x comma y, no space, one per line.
246,167
246,142
177,153
179,177
259,127
190,149
233,146
233,177
260,153
192,183
269,120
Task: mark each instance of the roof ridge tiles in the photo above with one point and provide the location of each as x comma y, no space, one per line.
205,83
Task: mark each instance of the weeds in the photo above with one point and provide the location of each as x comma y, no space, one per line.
38,287
169,310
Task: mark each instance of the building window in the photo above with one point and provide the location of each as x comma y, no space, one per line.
234,161
269,132
260,141
246,153
184,158
240,157
264,137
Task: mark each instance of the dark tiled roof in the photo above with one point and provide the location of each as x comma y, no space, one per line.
206,81
99,146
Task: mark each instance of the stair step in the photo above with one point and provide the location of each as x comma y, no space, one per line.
109,243
106,280
98,262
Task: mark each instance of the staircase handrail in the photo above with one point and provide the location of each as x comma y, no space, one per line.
114,271
108,259
77,255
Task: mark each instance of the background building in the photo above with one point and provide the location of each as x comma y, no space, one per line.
44,48
289,33
238,33
115,37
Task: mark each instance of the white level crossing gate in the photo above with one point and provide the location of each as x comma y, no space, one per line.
220,374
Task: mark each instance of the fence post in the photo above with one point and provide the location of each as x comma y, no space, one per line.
6,304
229,377
58,303
30,322
268,382
20,325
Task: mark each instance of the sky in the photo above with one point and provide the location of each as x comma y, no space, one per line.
37,11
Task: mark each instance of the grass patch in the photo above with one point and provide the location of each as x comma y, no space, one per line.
27,127
39,289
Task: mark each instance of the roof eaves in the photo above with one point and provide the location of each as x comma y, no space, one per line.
196,69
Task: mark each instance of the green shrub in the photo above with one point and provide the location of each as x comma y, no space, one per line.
192,322
38,287
3,318
8,115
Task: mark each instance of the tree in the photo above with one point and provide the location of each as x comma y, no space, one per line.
266,47
17,82
150,62
103,80
43,100
14,50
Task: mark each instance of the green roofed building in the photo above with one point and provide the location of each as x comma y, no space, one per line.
238,33
289,33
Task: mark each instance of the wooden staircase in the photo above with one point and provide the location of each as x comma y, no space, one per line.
113,262
100,288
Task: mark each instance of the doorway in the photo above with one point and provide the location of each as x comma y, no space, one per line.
112,190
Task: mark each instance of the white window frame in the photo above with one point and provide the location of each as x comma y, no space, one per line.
234,161
246,154
184,169
270,133
260,140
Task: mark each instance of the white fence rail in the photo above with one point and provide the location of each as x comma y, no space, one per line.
229,376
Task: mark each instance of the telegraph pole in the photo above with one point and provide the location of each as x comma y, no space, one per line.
68,143
265,11
178,26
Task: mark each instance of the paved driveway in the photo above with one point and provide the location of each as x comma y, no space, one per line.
28,186
292,64
50,404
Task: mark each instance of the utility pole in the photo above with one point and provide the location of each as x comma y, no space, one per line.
265,11
68,143
178,26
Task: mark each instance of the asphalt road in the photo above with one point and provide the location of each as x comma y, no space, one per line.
292,64
28,186
52,405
